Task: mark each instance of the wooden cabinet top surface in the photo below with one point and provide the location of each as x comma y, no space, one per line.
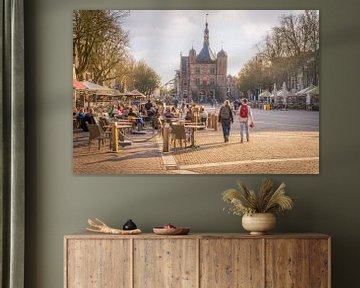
199,236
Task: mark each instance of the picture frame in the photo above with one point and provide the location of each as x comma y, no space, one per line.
12,136
125,98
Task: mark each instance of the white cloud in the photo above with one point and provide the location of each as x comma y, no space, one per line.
158,36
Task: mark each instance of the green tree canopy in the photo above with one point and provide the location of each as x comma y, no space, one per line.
146,80
288,46
99,42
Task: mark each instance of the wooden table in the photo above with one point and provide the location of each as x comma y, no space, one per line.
193,129
115,135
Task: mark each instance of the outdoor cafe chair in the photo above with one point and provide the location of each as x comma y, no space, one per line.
96,133
76,122
96,119
160,122
178,133
105,128
135,123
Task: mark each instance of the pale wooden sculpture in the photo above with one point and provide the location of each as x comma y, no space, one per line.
101,227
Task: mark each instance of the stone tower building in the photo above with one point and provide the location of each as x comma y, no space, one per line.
203,75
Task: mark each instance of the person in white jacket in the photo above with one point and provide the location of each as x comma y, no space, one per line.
246,119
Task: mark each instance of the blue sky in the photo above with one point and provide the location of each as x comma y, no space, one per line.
158,36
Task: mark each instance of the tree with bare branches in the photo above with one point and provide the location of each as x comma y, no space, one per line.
99,42
289,45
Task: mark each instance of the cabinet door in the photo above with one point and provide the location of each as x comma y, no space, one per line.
287,263
166,263
98,263
320,263
231,263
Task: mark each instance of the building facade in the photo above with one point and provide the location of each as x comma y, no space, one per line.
202,77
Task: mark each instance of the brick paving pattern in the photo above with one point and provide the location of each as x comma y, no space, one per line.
283,142
139,158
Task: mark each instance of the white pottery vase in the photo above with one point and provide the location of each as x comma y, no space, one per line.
259,223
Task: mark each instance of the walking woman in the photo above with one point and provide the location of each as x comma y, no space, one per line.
226,118
246,119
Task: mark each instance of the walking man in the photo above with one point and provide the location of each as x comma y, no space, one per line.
246,120
226,118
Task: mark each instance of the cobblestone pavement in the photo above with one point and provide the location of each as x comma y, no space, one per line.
283,142
139,158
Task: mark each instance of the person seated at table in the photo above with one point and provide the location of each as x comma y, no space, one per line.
143,111
80,114
151,112
85,116
89,116
110,110
152,117
117,112
175,111
80,117
189,115
125,112
203,115
148,105
168,114
132,113
139,120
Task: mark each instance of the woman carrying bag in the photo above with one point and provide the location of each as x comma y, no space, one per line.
246,120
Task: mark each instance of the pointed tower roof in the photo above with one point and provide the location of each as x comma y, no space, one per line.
192,52
222,53
206,55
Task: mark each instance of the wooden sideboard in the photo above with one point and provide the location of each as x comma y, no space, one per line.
197,260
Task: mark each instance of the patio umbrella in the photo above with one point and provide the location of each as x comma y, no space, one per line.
284,93
314,91
305,90
77,85
265,94
101,96
94,90
134,94
108,94
137,94
274,94
311,92
126,94
96,87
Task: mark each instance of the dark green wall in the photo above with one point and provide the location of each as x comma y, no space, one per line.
59,203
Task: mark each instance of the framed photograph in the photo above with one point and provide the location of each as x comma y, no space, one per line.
196,92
